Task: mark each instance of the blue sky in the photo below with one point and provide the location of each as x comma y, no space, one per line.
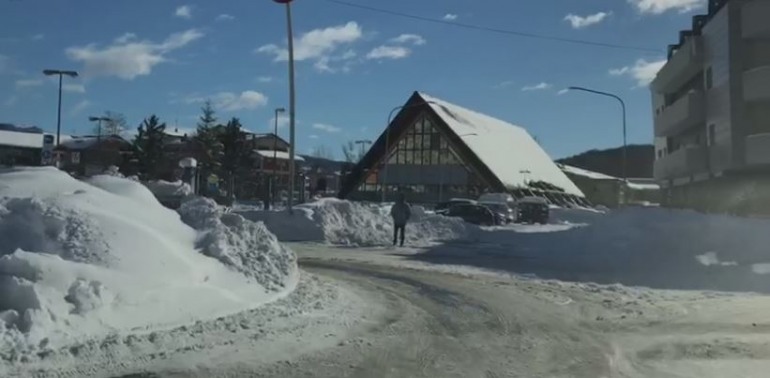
166,57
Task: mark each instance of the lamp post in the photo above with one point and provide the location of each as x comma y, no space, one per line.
623,107
387,144
363,144
441,170
275,155
60,73
99,124
292,104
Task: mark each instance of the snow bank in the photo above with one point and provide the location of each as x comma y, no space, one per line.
357,224
163,188
80,259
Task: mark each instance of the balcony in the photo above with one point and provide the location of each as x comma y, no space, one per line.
683,65
758,149
688,111
755,16
685,161
756,84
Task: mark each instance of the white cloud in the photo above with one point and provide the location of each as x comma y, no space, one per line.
11,101
229,101
331,64
225,17
537,87
326,128
579,22
662,6
38,37
388,52
26,83
317,43
265,79
450,17
409,38
184,11
505,84
642,71
283,121
562,91
79,107
74,88
313,136
126,58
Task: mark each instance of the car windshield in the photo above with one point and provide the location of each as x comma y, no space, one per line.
371,188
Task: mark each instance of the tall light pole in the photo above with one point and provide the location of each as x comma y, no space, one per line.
275,154
60,73
290,36
363,144
623,107
387,144
99,124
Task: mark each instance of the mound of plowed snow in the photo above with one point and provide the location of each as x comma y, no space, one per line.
356,224
79,259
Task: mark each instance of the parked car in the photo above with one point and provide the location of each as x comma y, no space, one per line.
532,210
498,198
474,213
502,210
443,207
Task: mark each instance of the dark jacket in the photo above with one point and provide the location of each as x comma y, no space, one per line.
401,212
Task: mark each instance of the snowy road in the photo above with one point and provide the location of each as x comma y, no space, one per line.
358,313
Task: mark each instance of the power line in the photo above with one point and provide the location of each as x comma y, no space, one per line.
496,30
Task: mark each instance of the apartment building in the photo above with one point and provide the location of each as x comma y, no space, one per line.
711,107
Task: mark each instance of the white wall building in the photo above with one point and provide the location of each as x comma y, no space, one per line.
711,105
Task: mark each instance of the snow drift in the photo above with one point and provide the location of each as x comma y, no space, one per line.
356,224
79,259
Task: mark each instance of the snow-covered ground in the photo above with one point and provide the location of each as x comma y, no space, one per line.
79,260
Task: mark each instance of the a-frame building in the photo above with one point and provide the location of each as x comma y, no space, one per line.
437,151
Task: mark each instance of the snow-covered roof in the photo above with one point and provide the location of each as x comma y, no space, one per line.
505,149
586,173
21,139
83,142
278,154
642,184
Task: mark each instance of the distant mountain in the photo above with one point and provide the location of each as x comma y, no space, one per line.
610,162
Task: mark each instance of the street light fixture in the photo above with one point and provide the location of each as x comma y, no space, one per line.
387,143
275,153
292,105
99,124
623,107
60,73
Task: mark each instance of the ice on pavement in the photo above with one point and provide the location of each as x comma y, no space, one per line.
81,259
356,224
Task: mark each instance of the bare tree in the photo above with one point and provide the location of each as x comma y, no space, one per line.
322,152
114,124
349,151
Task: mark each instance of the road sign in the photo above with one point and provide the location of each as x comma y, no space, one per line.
76,157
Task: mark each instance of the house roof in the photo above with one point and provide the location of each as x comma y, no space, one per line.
585,173
85,142
21,139
278,154
507,150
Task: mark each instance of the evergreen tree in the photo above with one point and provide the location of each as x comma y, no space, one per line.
207,138
233,150
149,146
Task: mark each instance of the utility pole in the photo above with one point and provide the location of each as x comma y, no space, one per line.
363,143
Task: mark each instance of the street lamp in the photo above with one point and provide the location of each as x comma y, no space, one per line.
60,73
623,107
387,143
363,144
292,104
275,154
99,124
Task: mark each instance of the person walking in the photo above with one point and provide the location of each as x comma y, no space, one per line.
400,212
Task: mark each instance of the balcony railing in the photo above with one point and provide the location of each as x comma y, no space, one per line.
688,111
758,149
683,162
682,66
756,84
755,16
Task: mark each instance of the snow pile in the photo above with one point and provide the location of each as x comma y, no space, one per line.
246,246
163,188
357,224
80,259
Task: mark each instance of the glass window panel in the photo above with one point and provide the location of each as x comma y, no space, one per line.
408,157
426,141
419,125
443,143
402,143
428,128
435,140
401,157
434,154
409,142
418,158
393,159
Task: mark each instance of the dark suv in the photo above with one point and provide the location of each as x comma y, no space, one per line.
532,210
472,213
